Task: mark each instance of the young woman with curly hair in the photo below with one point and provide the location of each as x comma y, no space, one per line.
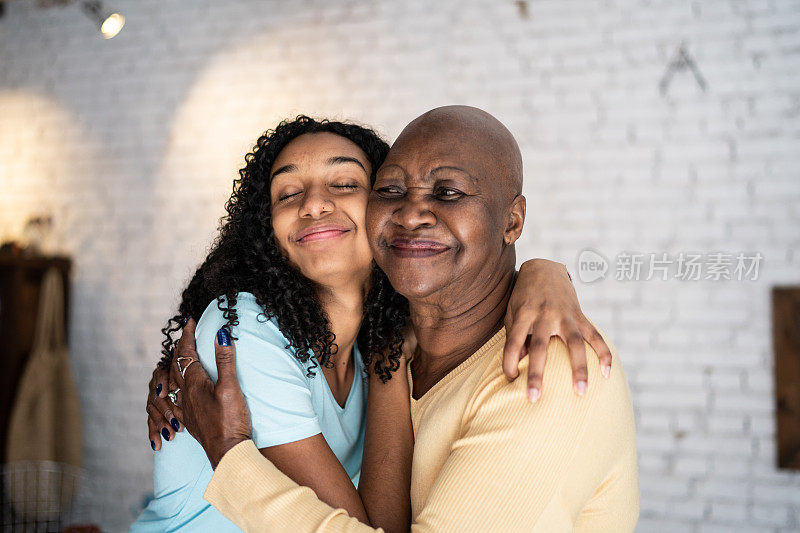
291,278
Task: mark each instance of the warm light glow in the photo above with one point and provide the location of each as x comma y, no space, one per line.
47,157
112,25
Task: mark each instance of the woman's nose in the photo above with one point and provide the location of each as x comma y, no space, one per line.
414,212
315,204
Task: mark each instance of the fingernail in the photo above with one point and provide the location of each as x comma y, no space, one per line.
174,424
153,445
606,371
581,388
533,394
158,389
222,337
165,433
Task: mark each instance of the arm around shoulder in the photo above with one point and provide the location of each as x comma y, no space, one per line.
565,463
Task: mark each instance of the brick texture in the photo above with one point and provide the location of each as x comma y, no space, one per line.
132,144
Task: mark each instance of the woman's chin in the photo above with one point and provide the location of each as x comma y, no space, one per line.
415,285
333,270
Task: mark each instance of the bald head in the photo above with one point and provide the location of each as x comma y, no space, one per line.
446,207
469,128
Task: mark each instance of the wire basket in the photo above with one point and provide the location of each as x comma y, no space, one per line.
41,496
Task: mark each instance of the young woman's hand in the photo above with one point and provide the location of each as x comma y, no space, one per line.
216,415
544,304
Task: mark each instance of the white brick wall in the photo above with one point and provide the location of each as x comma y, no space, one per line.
132,145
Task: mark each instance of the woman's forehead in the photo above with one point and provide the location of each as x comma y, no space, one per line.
318,148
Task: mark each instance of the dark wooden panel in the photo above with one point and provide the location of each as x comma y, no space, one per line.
786,338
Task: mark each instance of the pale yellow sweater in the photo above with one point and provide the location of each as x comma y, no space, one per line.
485,459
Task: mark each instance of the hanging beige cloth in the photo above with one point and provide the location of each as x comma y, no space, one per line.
45,441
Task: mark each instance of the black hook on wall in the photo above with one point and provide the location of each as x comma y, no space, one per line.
682,61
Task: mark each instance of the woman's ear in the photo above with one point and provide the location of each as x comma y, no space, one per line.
515,219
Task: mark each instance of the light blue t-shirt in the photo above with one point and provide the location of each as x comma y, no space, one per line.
285,406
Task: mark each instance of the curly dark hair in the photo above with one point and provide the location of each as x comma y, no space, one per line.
245,258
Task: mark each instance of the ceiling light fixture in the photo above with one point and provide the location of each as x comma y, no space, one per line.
110,23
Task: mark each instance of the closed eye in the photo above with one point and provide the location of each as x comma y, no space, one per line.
287,196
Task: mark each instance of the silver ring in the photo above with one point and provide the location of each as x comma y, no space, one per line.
182,369
173,395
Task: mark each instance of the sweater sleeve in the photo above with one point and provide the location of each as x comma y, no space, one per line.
565,463
256,496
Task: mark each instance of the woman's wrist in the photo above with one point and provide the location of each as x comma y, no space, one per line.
537,264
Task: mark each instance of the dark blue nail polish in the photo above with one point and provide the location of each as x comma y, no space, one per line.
175,425
158,389
223,339
165,433
153,445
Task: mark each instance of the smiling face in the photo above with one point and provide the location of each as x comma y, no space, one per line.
319,189
445,208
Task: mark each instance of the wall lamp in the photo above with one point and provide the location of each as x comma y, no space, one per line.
110,23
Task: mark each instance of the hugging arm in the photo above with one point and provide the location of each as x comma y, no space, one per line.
544,304
218,417
385,483
491,478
